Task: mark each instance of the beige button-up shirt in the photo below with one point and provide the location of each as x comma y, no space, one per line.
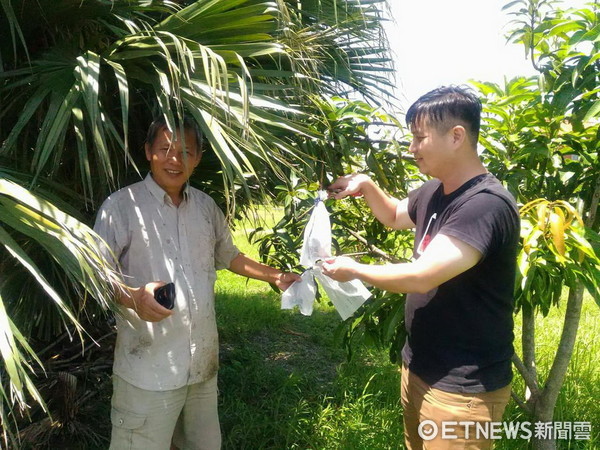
153,240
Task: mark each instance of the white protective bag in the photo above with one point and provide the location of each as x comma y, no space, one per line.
348,296
301,294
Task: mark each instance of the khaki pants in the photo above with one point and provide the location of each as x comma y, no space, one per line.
151,420
422,403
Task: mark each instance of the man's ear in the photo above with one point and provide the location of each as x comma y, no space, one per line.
459,134
198,158
148,151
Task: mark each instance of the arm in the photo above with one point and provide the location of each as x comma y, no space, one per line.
445,258
242,265
388,210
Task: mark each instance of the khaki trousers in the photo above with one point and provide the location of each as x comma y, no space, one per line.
151,420
422,403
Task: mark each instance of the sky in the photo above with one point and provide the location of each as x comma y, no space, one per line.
441,42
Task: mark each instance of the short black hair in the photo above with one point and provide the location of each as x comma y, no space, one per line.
446,105
161,122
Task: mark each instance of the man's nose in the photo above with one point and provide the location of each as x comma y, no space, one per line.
175,156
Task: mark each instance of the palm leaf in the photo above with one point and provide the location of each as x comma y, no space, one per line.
14,28
76,249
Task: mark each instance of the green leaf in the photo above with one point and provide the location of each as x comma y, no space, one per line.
593,111
565,27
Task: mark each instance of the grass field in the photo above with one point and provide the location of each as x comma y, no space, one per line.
285,384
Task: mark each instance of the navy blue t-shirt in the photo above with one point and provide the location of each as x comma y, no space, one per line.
460,334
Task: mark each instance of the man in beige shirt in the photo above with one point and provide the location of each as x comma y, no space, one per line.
162,230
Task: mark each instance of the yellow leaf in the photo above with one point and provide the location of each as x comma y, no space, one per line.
557,229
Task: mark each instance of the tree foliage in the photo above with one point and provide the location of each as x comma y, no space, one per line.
541,138
357,137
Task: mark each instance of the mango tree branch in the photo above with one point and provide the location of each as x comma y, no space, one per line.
528,377
569,332
373,249
528,344
593,209
524,406
563,354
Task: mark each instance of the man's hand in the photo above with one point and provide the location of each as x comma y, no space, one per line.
142,301
340,269
242,265
388,210
347,185
286,279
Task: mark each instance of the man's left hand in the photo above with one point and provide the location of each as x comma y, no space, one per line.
286,279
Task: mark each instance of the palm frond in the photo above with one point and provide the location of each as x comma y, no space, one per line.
15,352
70,243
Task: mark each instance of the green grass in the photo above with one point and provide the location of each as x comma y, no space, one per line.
284,382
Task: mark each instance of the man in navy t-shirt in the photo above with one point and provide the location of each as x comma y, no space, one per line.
456,369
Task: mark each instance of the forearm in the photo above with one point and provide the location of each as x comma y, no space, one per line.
445,258
242,265
400,278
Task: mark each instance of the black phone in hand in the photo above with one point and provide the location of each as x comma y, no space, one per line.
165,295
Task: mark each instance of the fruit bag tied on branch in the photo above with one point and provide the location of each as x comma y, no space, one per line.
348,296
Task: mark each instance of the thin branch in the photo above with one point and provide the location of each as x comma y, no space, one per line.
528,342
530,380
85,349
524,406
53,344
532,43
373,249
77,369
295,333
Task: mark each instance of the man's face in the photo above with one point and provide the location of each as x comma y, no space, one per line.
430,148
172,164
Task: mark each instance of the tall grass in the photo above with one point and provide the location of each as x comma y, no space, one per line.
285,383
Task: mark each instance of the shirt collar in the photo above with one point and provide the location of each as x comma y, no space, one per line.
159,193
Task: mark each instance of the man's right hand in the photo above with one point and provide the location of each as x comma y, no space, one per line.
142,301
348,185
388,210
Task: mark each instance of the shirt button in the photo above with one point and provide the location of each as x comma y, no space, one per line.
120,421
